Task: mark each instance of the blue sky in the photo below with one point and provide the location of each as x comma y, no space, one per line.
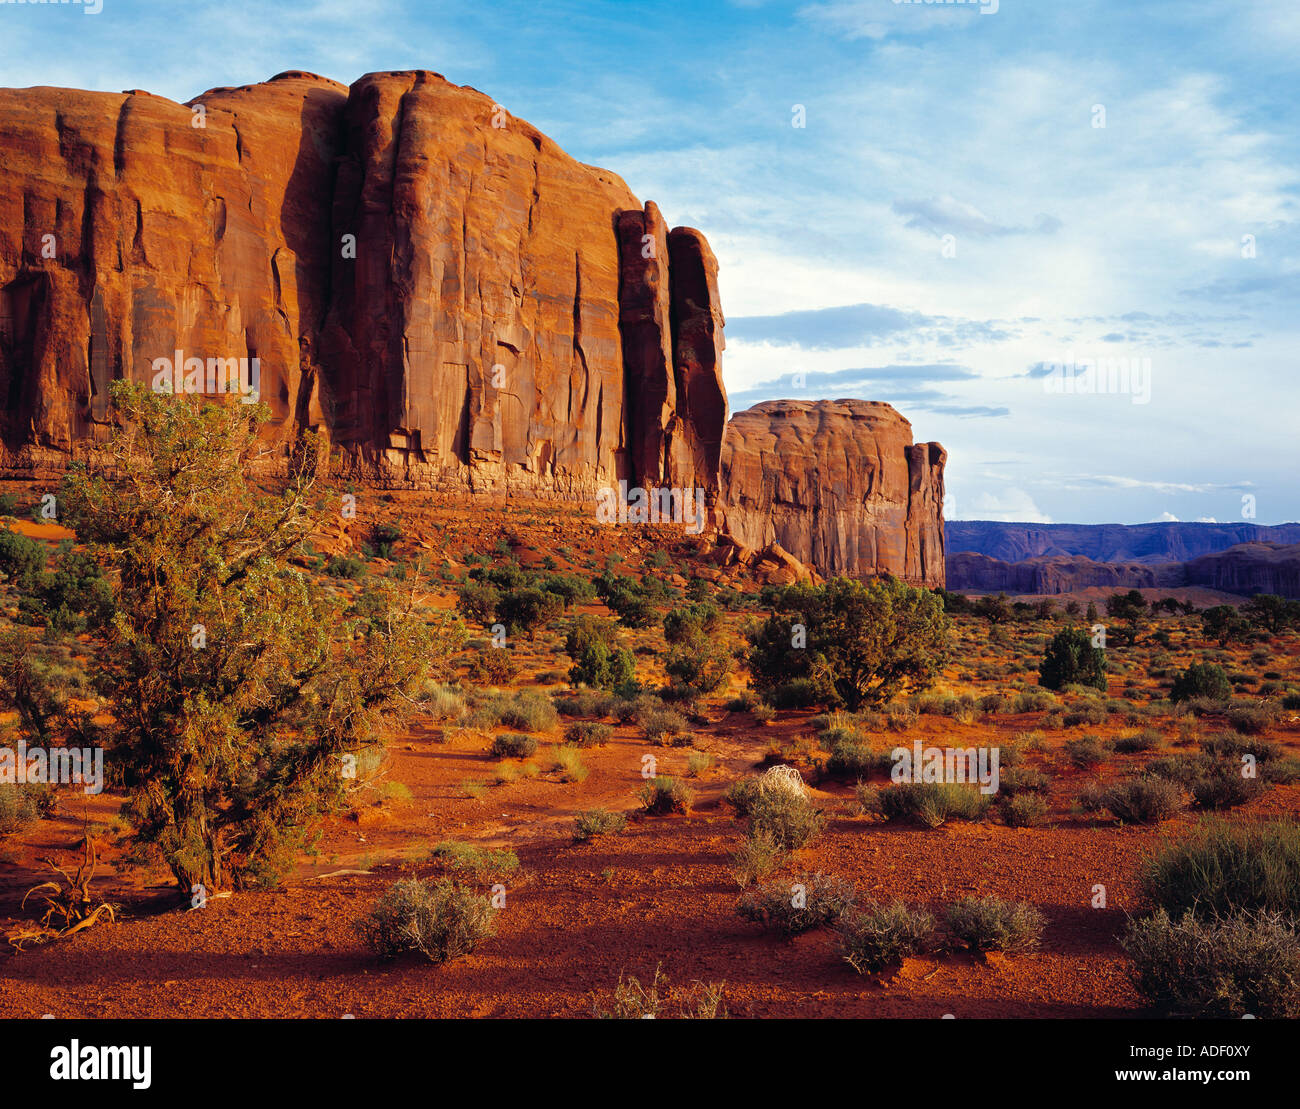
949,220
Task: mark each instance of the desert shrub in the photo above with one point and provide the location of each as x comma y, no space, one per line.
526,710
1084,714
763,714
633,1001
757,857
1146,740
513,746
1222,867
1223,623
1244,962
478,601
384,537
1085,752
991,924
18,808
742,794
698,664
931,803
484,863
793,907
661,725
1201,680
586,702
597,822
442,702
345,566
1071,658
854,760
798,693
440,920
1251,719
493,666
1024,779
663,794
685,623
1143,800
743,701
1224,790
1033,700
861,643
568,762
787,817
1227,745
1282,771
1023,810
587,734
875,936
1092,798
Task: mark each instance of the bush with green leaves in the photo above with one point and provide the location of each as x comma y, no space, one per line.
478,601
598,659
1144,800
513,746
1071,659
662,725
440,920
697,663
930,804
682,624
587,734
597,822
1085,752
1222,867
1201,680
758,857
485,864
21,558
526,609
1023,810
665,794
874,936
853,643
992,924
787,817
798,905
526,710
1245,962
19,808
1224,624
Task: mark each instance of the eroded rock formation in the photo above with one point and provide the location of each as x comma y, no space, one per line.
839,485
430,282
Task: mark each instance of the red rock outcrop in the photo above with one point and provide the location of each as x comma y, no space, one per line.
839,485
429,280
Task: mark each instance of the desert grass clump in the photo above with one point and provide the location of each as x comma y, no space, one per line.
664,794
1023,779
875,936
597,822
1251,719
741,795
18,808
513,745
793,907
1245,962
1086,752
662,725
1023,810
440,920
483,863
1225,790
442,703
526,710
1143,800
757,857
1223,867
991,924
855,761
587,734
567,761
1148,739
633,1001
786,816
931,803
698,763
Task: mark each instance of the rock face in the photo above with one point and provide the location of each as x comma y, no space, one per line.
428,280
433,285
1250,568
837,484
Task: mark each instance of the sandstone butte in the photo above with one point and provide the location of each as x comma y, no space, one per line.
434,286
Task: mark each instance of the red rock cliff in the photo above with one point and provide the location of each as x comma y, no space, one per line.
425,277
839,485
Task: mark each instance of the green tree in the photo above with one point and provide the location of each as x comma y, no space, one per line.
235,683
1071,659
598,659
1130,609
854,642
1224,624
1270,612
1201,679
